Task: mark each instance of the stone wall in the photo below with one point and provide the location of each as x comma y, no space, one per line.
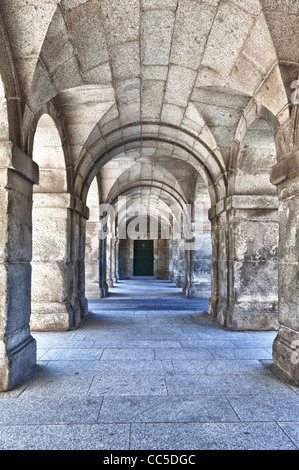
148,97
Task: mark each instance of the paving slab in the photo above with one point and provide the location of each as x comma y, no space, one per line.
218,367
200,354
210,436
47,343
151,371
127,354
167,409
243,353
65,437
58,383
123,385
49,411
137,344
291,429
242,384
141,367
267,408
74,354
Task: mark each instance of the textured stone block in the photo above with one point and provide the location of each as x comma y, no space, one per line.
121,20
237,436
156,34
88,20
256,240
227,37
189,15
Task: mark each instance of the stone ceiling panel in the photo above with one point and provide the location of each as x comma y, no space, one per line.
230,30
85,25
156,36
193,23
181,72
121,20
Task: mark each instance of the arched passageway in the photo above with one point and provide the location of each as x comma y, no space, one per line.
203,132
148,202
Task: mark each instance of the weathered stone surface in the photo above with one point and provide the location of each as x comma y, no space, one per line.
17,346
169,104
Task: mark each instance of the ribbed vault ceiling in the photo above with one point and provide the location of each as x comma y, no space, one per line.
159,78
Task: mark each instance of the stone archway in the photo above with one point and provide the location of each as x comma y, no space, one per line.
92,258
51,262
252,234
199,279
189,101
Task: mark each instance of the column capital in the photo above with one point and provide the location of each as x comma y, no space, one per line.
80,207
244,202
285,175
24,165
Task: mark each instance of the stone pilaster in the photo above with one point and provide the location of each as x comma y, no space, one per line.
58,276
253,263
109,261
175,253
114,261
199,269
81,214
17,346
170,275
102,268
200,275
92,253
214,298
246,272
286,344
181,264
220,258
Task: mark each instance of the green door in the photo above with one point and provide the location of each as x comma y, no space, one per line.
143,257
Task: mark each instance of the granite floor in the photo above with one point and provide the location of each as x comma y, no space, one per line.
148,369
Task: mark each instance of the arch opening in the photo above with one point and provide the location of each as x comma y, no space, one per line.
251,236
157,190
52,265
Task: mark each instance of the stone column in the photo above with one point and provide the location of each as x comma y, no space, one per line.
286,344
122,259
92,253
130,257
200,274
109,262
199,282
214,299
114,261
248,266
81,216
181,263
102,269
51,263
117,274
170,277
17,347
58,282
220,256
187,272
175,260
